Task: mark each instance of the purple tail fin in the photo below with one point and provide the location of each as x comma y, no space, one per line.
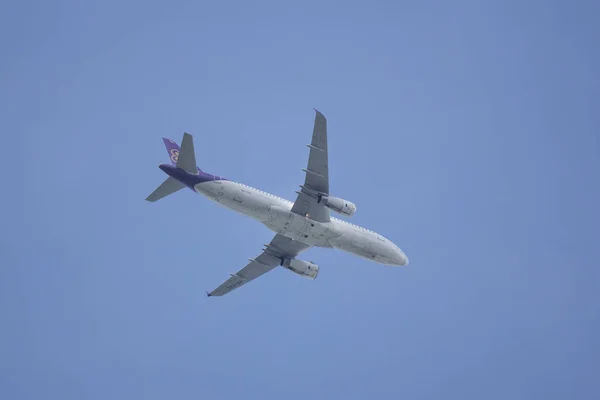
173,150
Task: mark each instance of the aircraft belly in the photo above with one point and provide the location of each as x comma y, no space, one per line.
355,244
233,196
300,228
276,217
210,190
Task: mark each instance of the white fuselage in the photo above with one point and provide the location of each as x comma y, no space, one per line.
275,213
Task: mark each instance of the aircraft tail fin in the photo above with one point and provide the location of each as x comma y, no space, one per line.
187,157
173,150
183,157
169,186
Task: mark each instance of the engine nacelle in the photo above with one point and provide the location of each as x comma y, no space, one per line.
338,205
303,268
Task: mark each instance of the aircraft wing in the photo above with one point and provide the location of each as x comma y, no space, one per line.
271,257
317,175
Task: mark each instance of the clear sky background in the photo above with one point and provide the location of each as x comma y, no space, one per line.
466,132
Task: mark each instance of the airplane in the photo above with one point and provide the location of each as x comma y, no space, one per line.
298,225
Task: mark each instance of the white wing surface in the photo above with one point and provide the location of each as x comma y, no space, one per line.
272,256
317,175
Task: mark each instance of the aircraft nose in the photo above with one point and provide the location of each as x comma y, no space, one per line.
400,258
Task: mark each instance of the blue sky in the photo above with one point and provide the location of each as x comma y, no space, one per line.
466,132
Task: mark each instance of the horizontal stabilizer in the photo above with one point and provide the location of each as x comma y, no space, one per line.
169,186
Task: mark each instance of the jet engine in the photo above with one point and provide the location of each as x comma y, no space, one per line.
338,205
303,268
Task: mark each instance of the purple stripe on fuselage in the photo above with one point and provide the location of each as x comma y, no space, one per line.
190,180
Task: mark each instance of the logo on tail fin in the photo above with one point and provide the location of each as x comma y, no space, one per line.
174,155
